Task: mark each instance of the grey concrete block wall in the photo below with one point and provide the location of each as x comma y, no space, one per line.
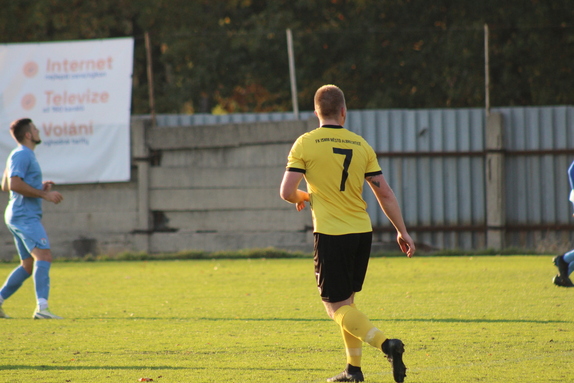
92,218
223,187
207,188
228,240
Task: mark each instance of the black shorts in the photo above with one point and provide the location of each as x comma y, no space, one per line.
341,263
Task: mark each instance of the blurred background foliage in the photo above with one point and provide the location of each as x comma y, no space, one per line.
213,56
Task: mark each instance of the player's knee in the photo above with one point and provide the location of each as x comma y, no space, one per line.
42,255
28,265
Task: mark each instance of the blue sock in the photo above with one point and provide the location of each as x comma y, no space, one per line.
42,279
13,282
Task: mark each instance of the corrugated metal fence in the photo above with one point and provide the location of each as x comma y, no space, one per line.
435,161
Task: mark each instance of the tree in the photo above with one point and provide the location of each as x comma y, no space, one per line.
231,56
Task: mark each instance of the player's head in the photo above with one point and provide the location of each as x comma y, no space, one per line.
329,102
21,127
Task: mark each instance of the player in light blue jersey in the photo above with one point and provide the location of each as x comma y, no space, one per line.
23,178
565,263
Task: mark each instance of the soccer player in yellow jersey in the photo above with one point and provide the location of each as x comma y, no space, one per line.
335,163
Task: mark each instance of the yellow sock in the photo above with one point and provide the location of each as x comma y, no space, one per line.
353,347
357,324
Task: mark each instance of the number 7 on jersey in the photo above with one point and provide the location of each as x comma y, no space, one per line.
348,153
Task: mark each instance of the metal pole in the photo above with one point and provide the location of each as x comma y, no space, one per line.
292,74
486,72
150,79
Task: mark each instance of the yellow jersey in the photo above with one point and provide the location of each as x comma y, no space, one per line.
335,162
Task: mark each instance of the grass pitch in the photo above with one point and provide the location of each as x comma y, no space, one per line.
463,319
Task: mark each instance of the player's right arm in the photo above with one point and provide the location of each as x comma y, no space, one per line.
17,184
290,191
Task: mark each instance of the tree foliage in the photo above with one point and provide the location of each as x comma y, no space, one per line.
231,56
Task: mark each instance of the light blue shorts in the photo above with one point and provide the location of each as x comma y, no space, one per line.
28,235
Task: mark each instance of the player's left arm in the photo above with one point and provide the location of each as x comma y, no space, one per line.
388,202
290,191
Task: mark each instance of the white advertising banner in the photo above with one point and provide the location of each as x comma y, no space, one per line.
78,94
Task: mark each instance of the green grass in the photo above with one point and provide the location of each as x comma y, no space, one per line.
463,319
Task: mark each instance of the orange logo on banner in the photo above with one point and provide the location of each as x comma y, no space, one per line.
28,101
30,69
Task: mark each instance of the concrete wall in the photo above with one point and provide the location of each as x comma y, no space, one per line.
193,188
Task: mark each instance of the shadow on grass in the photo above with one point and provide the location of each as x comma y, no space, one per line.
440,320
446,320
481,320
73,368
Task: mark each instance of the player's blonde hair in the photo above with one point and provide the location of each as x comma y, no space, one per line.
329,99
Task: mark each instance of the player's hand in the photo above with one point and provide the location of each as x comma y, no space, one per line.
406,244
47,185
303,196
54,197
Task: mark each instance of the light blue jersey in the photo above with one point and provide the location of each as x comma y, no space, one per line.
22,163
